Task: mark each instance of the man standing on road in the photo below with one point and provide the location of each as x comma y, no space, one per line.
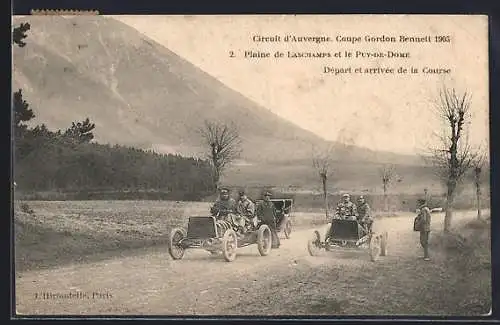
424,226
224,205
266,211
364,213
345,208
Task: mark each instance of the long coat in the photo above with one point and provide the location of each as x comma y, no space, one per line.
426,219
266,211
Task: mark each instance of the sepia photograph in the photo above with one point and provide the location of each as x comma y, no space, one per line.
251,165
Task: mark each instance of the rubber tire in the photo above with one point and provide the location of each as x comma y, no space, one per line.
312,244
383,244
175,251
374,247
288,229
229,235
328,246
263,232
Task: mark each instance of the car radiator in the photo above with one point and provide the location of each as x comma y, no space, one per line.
222,226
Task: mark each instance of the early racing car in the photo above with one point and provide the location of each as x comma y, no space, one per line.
220,236
349,233
284,215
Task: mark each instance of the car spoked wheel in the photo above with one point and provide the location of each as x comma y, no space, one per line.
229,245
175,249
288,229
264,240
328,245
314,244
375,247
383,244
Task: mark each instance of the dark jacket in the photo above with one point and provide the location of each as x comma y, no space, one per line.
344,209
426,219
364,210
223,207
266,211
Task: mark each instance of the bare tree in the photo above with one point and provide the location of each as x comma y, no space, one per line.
387,173
224,146
453,156
322,162
478,165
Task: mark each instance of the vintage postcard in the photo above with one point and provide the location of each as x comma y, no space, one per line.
240,165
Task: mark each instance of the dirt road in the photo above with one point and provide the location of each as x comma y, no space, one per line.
281,283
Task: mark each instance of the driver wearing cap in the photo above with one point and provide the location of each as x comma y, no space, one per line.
224,205
346,209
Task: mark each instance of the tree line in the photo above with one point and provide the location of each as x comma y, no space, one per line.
69,160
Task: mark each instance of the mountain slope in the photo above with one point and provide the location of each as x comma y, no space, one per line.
141,94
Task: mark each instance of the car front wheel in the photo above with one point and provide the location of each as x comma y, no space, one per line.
175,249
229,245
264,240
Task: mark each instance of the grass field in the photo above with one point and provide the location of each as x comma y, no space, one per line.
304,200
468,251
349,176
50,233
56,232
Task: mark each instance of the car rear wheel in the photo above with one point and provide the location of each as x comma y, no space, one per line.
314,244
328,244
383,244
288,229
375,247
229,245
175,249
264,240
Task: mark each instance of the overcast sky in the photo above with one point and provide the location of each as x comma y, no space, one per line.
391,112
